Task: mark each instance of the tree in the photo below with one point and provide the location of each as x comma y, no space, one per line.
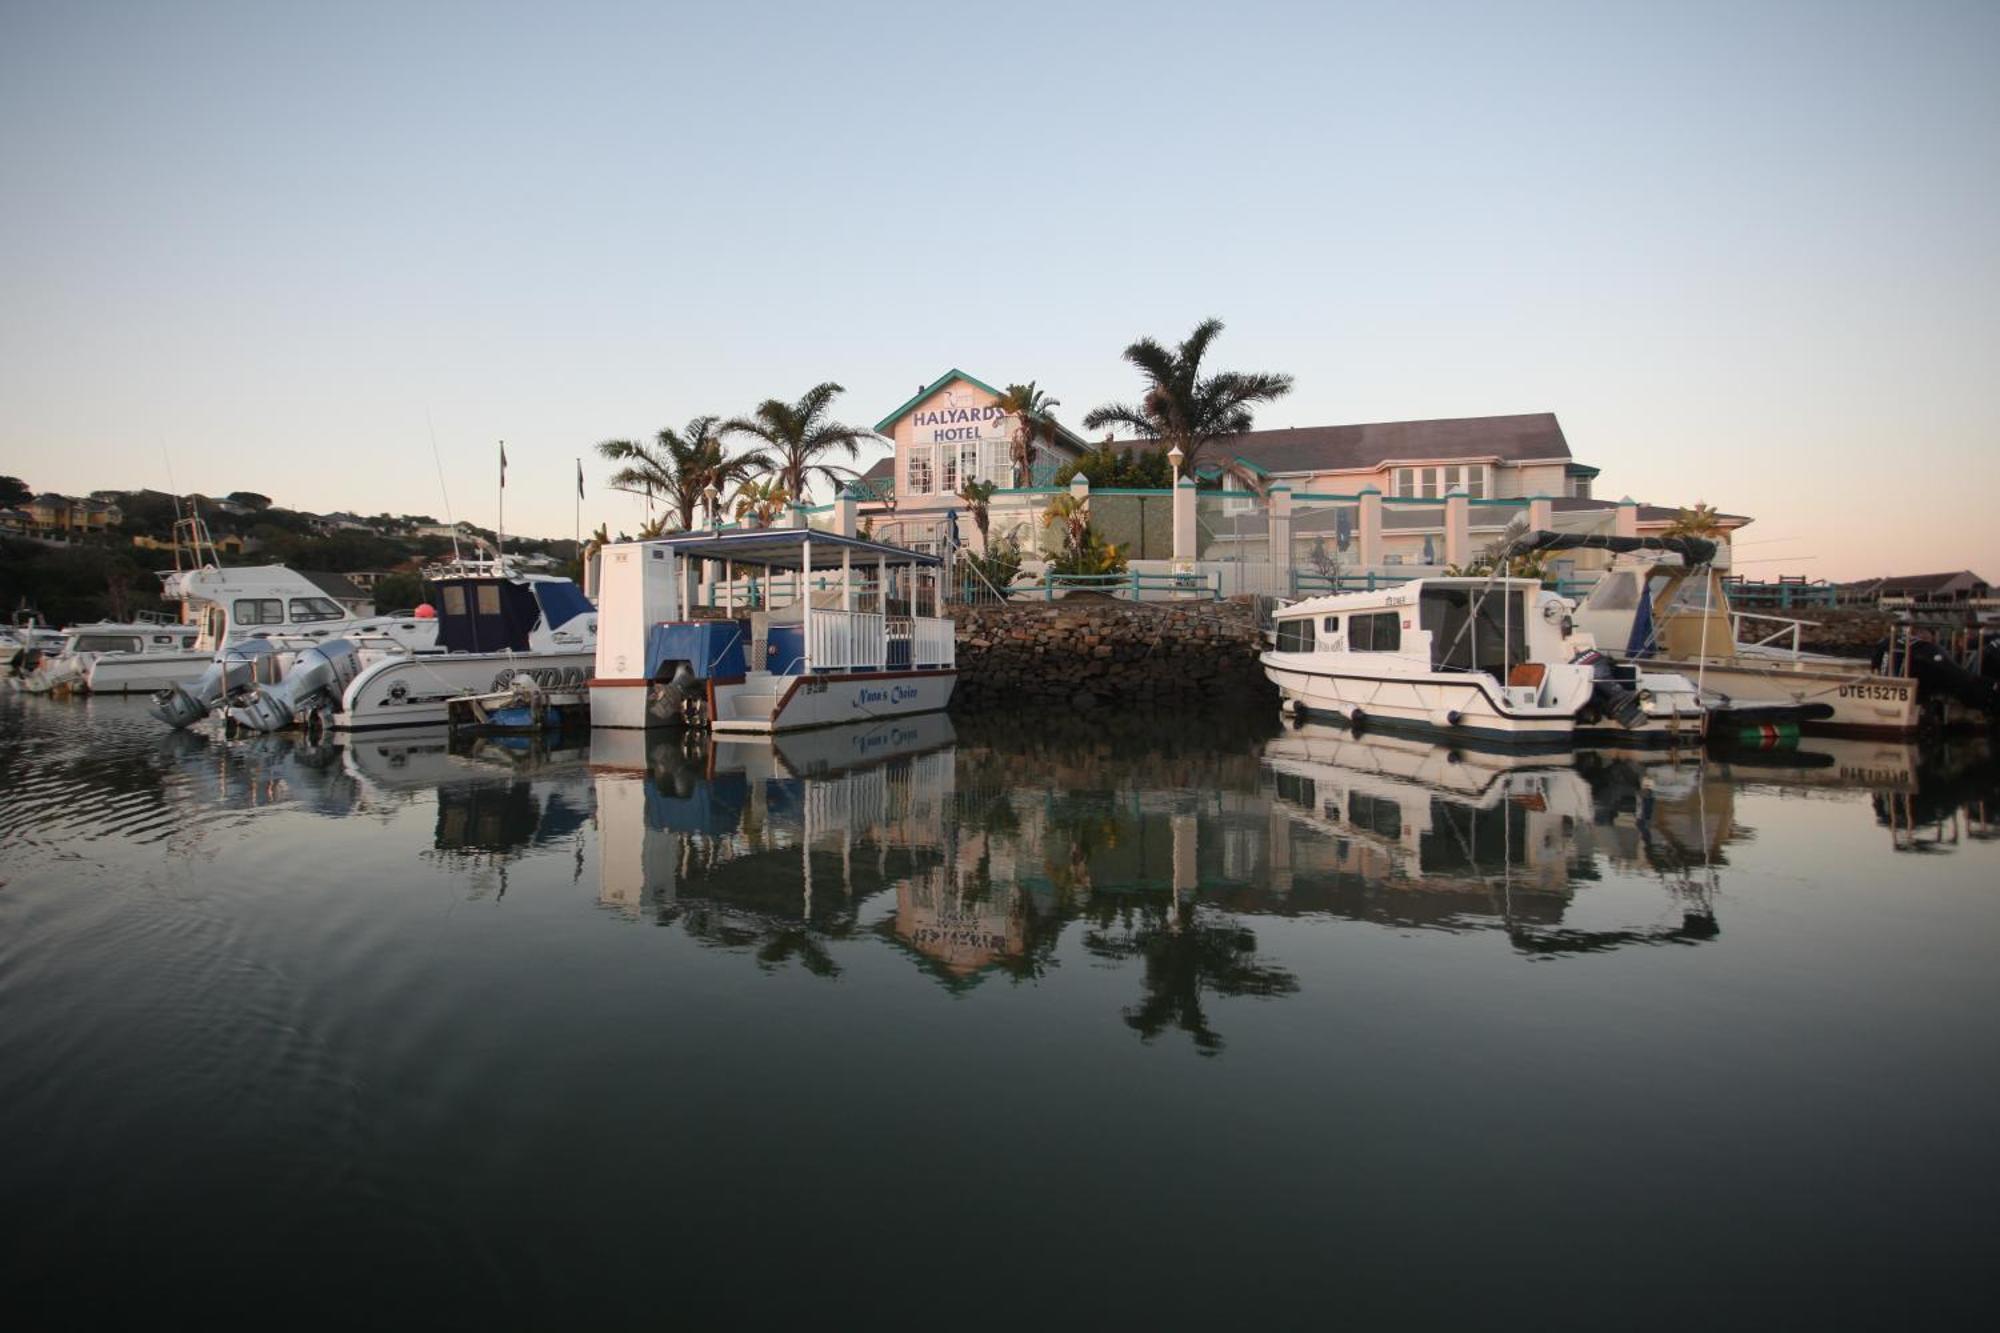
14,493
1033,425
1182,408
978,496
1109,467
1700,521
1084,551
762,502
680,466
252,500
799,436
398,592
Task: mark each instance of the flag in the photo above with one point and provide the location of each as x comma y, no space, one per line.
579,478
503,462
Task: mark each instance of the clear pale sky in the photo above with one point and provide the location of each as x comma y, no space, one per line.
1746,252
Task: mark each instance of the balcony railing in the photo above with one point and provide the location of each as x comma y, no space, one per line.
845,641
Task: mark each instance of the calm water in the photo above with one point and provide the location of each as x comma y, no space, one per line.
953,1021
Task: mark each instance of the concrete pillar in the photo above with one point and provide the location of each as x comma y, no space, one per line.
799,515
1079,486
1457,527
847,514
1541,514
1186,545
1278,507
1628,517
1369,538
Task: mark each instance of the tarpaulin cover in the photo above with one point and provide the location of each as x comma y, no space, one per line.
714,648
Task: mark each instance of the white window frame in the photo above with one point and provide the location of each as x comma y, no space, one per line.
918,483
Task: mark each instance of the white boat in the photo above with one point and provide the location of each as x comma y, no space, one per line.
799,629
24,641
495,632
1678,618
269,606
114,657
1490,660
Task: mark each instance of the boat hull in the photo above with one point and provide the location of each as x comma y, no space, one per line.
418,691
1862,703
1445,708
143,673
827,700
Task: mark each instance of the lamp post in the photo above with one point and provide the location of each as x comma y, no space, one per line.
712,498
1174,459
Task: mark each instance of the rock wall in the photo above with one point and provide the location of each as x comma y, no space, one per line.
1086,653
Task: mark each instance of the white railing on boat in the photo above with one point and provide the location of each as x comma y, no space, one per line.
845,640
931,642
1786,624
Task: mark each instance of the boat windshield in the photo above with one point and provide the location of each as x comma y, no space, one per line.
1474,631
562,602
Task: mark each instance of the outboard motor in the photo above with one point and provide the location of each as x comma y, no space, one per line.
239,664
1610,696
318,676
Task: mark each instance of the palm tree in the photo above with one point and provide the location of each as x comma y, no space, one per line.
1700,521
762,502
1033,425
1182,408
680,466
978,496
799,436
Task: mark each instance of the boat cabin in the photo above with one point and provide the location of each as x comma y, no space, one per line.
1472,624
494,613
754,629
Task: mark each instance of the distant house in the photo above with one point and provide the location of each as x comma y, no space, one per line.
16,521
1958,586
50,514
353,598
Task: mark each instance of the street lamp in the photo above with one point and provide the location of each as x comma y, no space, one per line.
712,497
1174,457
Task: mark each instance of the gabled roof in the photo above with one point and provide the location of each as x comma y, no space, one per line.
337,586
1930,582
1533,435
883,426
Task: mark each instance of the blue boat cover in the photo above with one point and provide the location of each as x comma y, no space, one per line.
714,648
785,650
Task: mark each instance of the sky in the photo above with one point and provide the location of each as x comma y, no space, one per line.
1745,252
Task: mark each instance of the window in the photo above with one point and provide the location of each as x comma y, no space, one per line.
308,609
1302,792
1331,624
489,599
1434,483
948,471
454,600
1380,632
919,471
1579,487
260,611
1296,635
107,643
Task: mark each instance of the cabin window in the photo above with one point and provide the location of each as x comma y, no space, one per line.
107,643
489,599
1617,591
1375,814
260,611
305,610
1381,632
454,601
1295,636
1302,792
918,471
1331,625
1472,629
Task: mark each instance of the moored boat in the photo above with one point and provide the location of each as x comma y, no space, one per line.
801,628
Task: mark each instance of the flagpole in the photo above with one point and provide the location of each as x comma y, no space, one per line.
500,530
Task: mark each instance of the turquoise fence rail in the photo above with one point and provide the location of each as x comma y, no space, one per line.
1135,585
1310,583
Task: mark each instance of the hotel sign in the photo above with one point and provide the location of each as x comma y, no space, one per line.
959,422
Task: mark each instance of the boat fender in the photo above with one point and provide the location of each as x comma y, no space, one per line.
1454,717
1356,720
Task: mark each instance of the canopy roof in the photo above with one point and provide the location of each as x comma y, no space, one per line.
785,548
1693,550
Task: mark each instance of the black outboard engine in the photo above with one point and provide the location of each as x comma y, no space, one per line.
1937,676
1614,690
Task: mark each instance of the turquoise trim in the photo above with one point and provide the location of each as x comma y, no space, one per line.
1034,490
1321,495
1252,466
1122,490
882,426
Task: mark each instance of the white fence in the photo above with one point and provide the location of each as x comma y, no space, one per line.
845,640
932,643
